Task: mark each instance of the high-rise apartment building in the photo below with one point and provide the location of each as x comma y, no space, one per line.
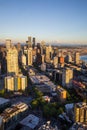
77,58
8,44
9,83
15,83
43,58
61,60
23,59
42,47
12,60
68,58
18,47
29,55
55,62
80,112
67,77
25,50
23,81
48,53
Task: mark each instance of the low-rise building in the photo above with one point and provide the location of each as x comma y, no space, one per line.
48,126
11,116
43,67
46,87
31,121
78,126
4,103
38,79
67,77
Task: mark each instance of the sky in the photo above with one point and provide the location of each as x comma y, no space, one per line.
54,21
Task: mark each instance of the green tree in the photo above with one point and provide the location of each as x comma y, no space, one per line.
46,111
60,111
37,92
68,95
2,92
34,104
53,112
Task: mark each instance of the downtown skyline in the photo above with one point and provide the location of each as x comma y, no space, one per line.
54,21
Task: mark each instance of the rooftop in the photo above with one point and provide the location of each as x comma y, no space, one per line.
81,104
3,100
31,121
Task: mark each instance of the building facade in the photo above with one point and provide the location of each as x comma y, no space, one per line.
12,60
80,112
67,77
29,55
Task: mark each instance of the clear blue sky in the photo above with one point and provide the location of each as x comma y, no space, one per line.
62,21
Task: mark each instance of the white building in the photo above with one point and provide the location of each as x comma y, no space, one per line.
55,62
23,58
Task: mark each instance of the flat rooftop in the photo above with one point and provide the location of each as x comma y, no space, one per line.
3,101
38,79
31,121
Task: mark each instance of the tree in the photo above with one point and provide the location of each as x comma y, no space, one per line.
68,95
60,111
53,112
2,92
46,111
37,92
34,104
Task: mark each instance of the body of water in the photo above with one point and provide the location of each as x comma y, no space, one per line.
84,58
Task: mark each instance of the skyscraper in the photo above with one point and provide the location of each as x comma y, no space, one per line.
33,42
18,47
68,58
48,53
67,77
42,47
77,58
23,59
43,58
8,44
29,42
29,55
12,60
55,62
